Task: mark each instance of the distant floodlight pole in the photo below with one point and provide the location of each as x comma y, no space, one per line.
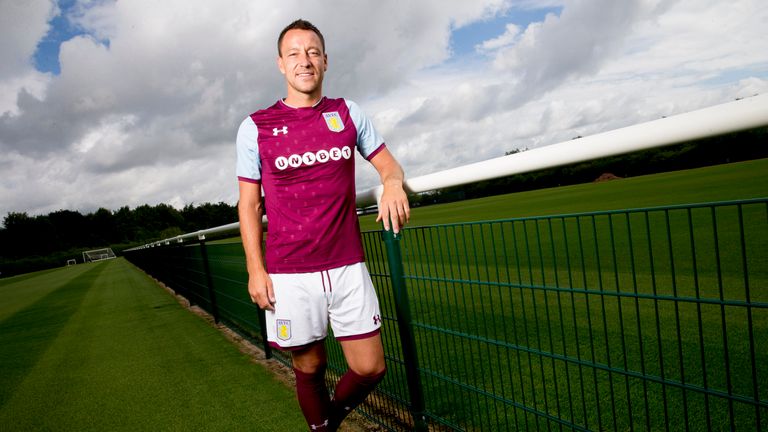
747,113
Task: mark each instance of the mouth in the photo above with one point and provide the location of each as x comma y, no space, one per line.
306,74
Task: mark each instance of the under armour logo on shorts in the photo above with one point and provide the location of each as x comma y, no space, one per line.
376,319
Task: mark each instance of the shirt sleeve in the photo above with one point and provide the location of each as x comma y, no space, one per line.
369,142
248,167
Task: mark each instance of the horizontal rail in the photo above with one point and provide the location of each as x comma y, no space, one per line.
720,119
742,114
197,235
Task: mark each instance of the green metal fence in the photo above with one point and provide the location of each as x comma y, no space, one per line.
642,319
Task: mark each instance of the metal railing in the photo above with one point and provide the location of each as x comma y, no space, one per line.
712,121
642,319
647,319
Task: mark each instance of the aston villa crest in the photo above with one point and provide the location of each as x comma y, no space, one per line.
333,120
283,329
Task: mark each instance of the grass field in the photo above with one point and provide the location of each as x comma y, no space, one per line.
99,347
564,315
716,183
579,317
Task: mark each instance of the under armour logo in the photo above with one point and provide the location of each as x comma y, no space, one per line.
376,319
276,131
316,427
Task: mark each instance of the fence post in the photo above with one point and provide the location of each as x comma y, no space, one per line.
208,278
263,331
403,310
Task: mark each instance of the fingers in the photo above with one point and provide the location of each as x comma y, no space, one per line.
271,295
262,293
396,214
261,301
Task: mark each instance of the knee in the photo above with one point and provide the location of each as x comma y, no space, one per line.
310,360
374,373
310,366
369,367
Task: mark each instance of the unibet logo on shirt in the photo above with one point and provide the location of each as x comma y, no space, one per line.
309,158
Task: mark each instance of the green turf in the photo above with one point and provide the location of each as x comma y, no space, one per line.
464,319
101,347
716,183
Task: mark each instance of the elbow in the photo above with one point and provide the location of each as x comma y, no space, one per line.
250,207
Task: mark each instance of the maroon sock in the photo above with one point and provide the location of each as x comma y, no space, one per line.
351,391
313,398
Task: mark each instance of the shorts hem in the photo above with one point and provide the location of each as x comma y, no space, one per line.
359,336
294,347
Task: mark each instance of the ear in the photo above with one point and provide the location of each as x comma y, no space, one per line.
280,64
325,67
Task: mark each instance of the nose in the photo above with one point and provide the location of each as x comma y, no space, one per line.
303,59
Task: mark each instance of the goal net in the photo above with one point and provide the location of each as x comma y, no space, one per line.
98,255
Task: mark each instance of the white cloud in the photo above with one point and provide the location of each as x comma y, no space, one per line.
22,25
508,38
147,104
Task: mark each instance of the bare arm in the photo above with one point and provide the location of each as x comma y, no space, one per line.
251,210
394,205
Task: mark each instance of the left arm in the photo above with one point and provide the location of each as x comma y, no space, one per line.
394,201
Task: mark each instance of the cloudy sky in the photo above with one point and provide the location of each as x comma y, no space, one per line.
114,103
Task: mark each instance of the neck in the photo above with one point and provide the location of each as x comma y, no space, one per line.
302,100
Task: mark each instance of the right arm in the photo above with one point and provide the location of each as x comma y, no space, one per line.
251,210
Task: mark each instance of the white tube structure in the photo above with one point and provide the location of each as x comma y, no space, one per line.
720,119
747,113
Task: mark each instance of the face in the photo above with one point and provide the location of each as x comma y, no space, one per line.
303,63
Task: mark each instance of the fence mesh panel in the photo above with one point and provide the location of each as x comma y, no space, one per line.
645,319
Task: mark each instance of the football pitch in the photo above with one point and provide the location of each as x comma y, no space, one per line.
100,347
725,182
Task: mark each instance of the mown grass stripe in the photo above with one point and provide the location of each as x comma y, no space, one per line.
131,358
20,292
26,335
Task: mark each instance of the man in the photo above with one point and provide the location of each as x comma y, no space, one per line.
300,150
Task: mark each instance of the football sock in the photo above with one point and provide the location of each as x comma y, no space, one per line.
313,398
351,391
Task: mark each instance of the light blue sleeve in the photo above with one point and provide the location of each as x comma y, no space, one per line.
248,162
368,140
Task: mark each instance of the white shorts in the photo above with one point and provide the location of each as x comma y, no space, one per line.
305,302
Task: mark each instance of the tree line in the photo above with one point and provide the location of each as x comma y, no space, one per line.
29,243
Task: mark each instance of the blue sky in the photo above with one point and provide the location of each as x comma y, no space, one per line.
152,98
465,39
46,56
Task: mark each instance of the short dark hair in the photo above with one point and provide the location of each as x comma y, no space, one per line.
299,24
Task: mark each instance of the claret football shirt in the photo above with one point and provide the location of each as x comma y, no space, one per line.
303,158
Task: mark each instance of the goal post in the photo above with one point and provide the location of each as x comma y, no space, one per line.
71,262
98,255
